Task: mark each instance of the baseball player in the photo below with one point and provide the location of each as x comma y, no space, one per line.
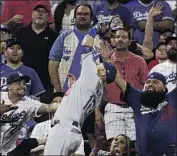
155,114
13,120
78,102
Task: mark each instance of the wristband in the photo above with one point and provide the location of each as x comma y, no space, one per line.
95,30
60,94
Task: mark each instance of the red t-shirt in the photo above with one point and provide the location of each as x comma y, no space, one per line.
152,64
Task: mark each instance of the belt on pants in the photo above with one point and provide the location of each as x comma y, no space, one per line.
74,123
125,105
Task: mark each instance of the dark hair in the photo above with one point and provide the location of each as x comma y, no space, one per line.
129,144
161,43
85,5
125,25
168,39
126,30
58,15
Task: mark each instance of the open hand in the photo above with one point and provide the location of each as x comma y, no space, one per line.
103,47
156,10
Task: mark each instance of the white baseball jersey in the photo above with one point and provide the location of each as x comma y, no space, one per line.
41,131
168,69
81,99
12,121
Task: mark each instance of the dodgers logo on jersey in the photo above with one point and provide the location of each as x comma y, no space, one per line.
66,54
139,16
3,83
147,110
171,78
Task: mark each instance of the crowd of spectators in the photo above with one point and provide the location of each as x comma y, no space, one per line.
42,39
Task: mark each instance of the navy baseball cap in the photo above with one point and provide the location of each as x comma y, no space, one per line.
5,30
13,41
158,76
14,77
111,72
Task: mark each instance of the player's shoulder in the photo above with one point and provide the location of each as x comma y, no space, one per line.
28,99
4,96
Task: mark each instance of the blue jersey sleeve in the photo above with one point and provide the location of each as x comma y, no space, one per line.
57,49
132,97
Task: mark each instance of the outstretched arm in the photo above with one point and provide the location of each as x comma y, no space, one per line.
48,108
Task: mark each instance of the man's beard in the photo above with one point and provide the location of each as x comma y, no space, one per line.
83,26
172,55
121,48
152,99
14,61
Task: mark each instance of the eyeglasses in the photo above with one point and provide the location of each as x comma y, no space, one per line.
82,14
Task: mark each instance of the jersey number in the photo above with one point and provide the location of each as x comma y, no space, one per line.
90,105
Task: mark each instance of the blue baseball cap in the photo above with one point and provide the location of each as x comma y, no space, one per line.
158,76
13,41
16,76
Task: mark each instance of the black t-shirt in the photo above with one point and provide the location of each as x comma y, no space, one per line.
36,50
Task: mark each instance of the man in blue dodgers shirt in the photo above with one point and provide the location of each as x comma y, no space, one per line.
13,55
140,9
155,114
65,54
108,9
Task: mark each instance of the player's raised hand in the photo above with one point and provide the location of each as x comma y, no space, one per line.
104,48
89,38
